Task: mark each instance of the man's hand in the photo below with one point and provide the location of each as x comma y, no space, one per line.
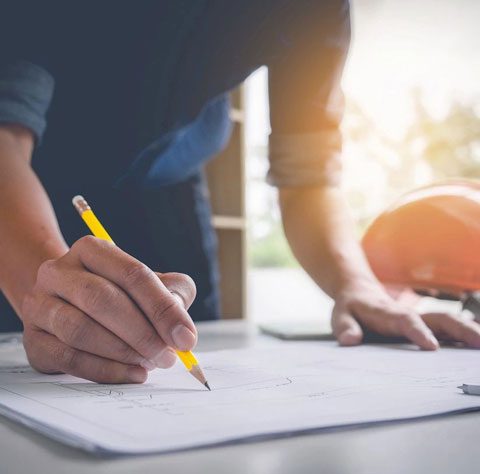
100,314
92,311
321,233
367,306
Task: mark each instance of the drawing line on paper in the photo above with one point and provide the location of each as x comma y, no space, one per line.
108,428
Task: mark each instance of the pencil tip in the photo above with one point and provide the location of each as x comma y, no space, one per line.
208,386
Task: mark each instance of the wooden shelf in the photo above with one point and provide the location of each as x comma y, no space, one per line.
226,182
229,222
237,115
225,176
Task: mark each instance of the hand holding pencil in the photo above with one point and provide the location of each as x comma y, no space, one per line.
187,357
98,313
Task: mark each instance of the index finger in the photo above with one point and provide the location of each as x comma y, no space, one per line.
397,322
161,308
454,327
179,285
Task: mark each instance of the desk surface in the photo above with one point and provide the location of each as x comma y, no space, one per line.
443,445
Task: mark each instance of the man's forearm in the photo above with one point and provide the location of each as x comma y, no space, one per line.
29,231
319,229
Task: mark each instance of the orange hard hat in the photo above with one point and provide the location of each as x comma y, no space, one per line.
429,239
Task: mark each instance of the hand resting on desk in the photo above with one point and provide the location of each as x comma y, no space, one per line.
365,307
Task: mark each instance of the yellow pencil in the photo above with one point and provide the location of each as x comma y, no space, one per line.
97,229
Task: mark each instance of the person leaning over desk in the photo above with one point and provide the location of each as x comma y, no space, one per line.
137,101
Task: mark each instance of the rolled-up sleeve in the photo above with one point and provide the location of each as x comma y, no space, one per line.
26,91
305,159
306,100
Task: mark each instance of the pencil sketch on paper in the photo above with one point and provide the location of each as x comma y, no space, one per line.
255,393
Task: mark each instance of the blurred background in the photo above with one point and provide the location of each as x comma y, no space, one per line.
412,116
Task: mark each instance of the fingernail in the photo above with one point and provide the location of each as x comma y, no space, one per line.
349,338
136,375
165,359
183,338
148,364
433,341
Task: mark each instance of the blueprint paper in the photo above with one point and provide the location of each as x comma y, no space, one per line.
279,390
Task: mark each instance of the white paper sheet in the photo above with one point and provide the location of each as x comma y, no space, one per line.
263,392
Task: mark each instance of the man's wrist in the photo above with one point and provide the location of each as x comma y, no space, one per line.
354,282
16,140
18,286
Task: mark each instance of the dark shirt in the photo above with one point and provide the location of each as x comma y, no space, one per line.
134,97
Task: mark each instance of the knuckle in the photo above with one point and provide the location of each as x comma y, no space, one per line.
360,305
146,341
110,372
407,323
84,243
163,310
66,358
103,373
100,295
57,320
136,273
46,269
126,353
74,330
87,241
379,308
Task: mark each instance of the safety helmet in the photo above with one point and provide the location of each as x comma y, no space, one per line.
429,240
